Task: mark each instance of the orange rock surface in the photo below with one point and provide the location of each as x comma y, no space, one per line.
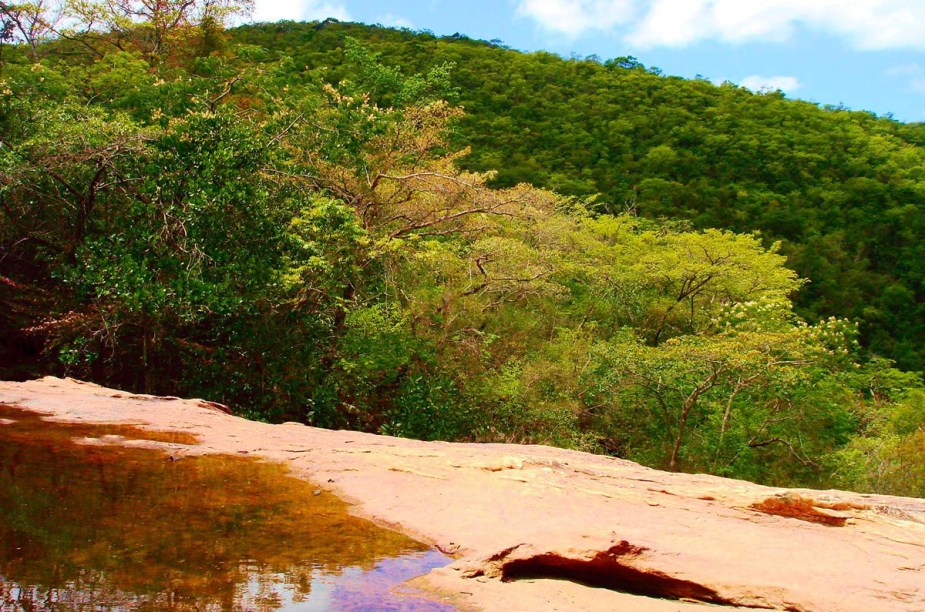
533,527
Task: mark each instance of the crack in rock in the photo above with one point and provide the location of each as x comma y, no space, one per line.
794,506
613,569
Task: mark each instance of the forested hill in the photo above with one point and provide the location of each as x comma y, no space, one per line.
844,191
284,219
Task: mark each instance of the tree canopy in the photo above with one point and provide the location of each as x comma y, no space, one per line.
841,190
288,221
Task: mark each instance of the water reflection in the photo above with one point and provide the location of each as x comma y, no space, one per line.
110,527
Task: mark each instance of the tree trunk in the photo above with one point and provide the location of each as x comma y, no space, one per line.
679,438
147,373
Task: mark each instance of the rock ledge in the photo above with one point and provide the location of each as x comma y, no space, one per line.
533,526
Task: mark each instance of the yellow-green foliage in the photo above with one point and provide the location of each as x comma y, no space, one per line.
221,225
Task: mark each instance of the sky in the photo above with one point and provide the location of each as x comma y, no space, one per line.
862,54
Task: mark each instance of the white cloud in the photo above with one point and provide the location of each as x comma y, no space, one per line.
918,85
575,17
865,24
394,21
758,83
676,23
300,10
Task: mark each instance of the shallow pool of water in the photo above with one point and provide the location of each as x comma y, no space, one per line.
108,527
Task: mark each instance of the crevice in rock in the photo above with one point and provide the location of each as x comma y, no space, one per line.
802,508
608,570
503,553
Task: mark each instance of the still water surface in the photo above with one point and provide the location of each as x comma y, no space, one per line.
108,527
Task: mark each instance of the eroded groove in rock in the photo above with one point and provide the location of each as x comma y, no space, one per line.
802,508
606,570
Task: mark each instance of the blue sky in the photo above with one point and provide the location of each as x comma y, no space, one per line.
865,54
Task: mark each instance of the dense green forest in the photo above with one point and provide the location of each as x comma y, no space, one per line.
352,226
843,191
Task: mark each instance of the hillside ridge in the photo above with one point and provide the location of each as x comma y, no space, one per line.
843,190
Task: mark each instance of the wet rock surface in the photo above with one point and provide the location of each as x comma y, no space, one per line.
533,526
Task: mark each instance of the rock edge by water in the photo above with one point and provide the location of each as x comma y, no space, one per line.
545,528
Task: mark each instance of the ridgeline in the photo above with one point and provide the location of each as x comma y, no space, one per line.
843,191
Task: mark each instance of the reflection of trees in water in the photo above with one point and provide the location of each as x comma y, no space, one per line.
352,588
90,524
86,593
